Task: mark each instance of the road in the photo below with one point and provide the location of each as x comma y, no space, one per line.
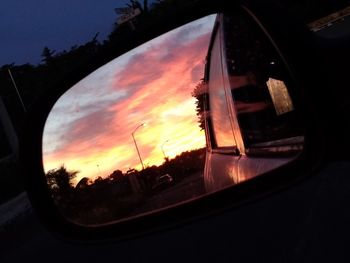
16,219
185,190
14,209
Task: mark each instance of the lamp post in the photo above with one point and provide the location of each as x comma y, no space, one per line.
163,149
137,149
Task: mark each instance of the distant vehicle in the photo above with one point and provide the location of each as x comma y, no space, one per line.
163,182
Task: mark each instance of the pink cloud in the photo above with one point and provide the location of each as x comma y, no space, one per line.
157,82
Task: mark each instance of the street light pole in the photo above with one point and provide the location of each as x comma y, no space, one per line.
137,149
15,86
163,149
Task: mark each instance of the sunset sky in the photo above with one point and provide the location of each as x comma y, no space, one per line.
90,126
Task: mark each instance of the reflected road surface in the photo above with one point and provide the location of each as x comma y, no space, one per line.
187,189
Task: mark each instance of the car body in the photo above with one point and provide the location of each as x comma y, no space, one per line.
238,148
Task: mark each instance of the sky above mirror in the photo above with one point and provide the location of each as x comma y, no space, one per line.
89,129
26,27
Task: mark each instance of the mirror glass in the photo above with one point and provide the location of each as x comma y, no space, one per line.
158,125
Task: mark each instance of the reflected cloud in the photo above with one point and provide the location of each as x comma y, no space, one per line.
92,123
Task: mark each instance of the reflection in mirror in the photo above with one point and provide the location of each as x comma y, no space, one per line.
145,131
126,139
253,126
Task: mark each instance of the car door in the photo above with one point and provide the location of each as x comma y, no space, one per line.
253,123
222,149
261,99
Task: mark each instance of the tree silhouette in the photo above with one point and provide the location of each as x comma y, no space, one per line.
60,179
47,55
116,175
60,185
200,94
134,4
145,6
83,183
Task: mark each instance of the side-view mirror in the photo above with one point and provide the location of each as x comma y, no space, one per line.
209,112
9,140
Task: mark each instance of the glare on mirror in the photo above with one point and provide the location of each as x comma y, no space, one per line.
142,132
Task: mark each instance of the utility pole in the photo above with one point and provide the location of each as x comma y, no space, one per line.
165,158
19,95
137,149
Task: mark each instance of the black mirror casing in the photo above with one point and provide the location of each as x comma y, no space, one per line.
293,41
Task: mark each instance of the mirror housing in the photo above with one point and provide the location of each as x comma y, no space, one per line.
294,44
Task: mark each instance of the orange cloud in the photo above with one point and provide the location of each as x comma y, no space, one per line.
157,85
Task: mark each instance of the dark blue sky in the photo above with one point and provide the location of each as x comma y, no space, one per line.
27,26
